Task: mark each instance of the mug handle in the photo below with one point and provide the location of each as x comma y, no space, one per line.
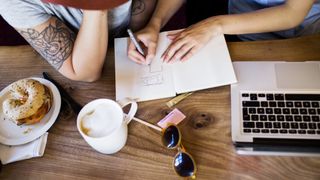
133,109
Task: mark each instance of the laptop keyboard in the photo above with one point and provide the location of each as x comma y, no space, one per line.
280,113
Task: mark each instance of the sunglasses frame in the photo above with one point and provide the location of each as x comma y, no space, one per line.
180,148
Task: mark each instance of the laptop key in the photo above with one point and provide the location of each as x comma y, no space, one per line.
306,104
248,124
294,125
315,118
312,111
311,132
318,111
318,132
264,104
252,110
285,125
271,117
260,111
256,130
279,96
312,125
246,117
245,111
268,125
270,97
303,111
294,111
297,118
254,117
247,130
297,104
272,104
286,111
280,118
277,110
269,111
303,126
306,118
261,95
315,104
250,103
276,125
302,131
265,130
263,118
281,104
259,124
253,97
289,104
245,95
289,118
283,131
274,131
292,131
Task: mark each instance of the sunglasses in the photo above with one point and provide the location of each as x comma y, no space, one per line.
183,163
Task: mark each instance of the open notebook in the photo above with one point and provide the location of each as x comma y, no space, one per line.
210,67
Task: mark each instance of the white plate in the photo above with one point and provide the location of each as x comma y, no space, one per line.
11,134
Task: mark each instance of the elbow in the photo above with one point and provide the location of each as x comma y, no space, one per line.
294,18
84,73
294,23
88,78
84,78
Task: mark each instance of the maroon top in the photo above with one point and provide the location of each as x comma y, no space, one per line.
88,4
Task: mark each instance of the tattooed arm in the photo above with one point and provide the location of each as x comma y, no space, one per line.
78,57
141,13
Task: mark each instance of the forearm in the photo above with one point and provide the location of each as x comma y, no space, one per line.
271,19
164,11
90,46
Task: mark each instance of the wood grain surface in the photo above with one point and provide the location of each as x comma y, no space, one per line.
206,129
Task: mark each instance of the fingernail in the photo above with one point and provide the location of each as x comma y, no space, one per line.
164,58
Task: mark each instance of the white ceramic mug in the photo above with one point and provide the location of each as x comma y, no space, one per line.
103,124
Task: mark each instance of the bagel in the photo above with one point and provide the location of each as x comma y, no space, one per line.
28,101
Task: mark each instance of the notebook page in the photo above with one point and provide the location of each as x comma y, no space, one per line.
141,82
210,67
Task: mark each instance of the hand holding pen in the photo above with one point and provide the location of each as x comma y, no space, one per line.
142,45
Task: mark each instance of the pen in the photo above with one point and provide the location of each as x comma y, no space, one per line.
135,42
177,99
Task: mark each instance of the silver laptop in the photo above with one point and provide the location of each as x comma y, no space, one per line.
275,108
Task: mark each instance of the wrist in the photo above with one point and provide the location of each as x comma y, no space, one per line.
216,25
95,12
155,24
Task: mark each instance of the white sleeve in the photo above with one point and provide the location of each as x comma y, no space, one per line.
23,13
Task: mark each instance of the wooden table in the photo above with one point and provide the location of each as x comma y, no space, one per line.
206,129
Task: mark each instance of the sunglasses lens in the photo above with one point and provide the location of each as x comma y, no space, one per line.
184,165
171,137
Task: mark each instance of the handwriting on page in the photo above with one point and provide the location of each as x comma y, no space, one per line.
152,74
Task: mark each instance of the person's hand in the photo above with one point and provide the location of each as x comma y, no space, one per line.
148,39
187,42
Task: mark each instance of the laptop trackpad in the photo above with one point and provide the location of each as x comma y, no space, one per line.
298,75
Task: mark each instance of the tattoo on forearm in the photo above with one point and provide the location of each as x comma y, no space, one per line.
54,43
138,7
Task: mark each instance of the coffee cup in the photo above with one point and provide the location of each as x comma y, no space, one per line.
103,124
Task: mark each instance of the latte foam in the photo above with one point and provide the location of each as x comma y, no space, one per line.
101,121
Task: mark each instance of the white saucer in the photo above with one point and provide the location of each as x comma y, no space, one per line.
12,134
